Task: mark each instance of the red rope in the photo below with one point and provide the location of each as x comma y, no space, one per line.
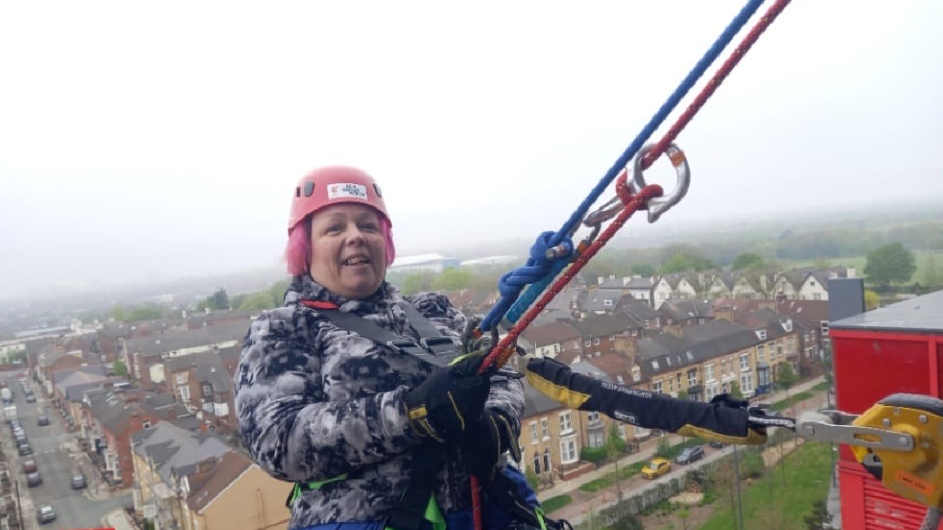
505,348
748,41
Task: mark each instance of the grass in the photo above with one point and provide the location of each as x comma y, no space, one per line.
807,477
792,400
821,386
555,503
631,470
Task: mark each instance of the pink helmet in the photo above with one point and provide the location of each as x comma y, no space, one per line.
334,185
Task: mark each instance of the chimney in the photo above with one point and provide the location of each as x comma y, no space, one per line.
723,313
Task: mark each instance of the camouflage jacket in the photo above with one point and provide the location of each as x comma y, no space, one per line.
314,401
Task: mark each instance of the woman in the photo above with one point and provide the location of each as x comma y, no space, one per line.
344,415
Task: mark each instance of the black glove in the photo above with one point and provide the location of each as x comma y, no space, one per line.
446,405
489,437
723,419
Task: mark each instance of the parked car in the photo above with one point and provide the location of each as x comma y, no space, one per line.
718,445
656,468
42,420
24,449
31,398
29,465
78,481
690,455
33,479
45,514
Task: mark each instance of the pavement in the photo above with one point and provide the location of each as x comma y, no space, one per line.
118,520
605,498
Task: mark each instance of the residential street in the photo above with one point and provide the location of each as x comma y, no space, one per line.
583,502
58,458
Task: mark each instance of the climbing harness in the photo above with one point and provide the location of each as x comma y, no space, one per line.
418,505
554,251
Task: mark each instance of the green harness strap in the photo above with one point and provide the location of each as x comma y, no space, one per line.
433,513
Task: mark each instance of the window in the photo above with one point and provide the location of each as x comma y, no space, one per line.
533,432
588,343
596,341
658,322
824,327
692,378
816,296
709,372
536,463
185,394
597,438
612,338
658,387
744,362
592,416
607,303
761,353
636,374
146,424
779,350
655,364
548,465
723,367
181,378
711,391
566,422
772,350
545,428
556,348
746,383
620,379
761,334
568,451
671,385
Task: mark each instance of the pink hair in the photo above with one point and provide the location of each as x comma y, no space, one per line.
298,249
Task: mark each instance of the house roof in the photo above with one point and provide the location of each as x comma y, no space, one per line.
640,311
640,282
604,325
809,313
923,314
552,333
225,472
680,310
171,447
177,340
601,300
664,352
112,412
615,365
77,376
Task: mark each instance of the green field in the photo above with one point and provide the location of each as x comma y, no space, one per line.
859,262
784,500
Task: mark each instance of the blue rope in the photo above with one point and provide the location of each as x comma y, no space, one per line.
538,266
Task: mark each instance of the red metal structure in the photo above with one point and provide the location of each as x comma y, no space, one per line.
898,348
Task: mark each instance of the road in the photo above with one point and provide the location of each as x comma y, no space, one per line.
52,449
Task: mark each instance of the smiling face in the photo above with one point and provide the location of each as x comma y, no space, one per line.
348,250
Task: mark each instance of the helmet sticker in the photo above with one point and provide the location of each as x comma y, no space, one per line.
344,190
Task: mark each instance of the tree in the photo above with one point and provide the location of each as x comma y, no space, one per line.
144,313
220,300
664,447
119,368
746,261
452,279
417,282
890,263
931,277
684,514
871,300
819,519
643,269
677,263
257,301
683,394
735,392
615,446
118,313
786,377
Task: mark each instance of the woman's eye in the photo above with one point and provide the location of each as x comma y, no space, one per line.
334,229
372,227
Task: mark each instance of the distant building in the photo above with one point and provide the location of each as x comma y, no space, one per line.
490,260
423,262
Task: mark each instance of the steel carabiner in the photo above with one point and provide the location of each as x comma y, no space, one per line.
660,205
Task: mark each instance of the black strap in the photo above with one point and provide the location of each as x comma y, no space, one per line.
433,347
411,510
504,492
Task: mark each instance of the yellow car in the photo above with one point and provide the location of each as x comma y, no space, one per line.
656,468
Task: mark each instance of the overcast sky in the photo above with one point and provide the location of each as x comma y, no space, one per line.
165,138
